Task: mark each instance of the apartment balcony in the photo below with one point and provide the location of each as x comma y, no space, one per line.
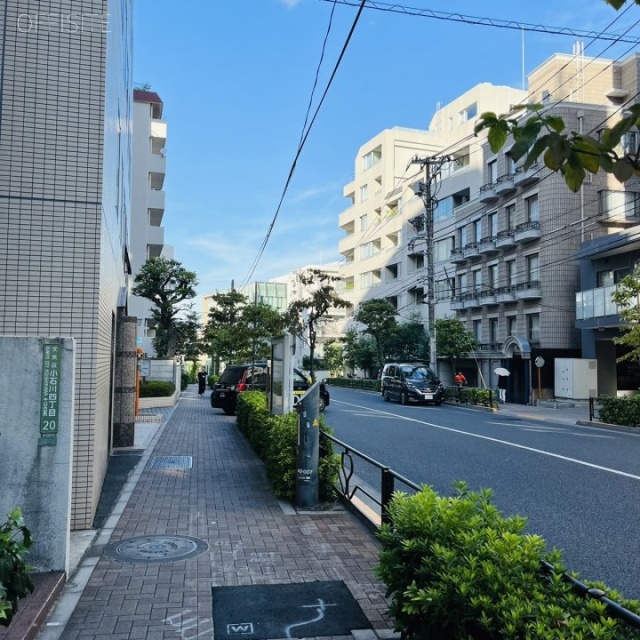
596,303
159,129
531,290
157,163
527,232
155,235
505,239
457,303
471,250
487,245
156,199
505,184
524,177
490,347
487,297
506,294
470,300
347,244
457,256
488,193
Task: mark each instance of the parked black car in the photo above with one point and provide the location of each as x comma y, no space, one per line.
410,382
237,378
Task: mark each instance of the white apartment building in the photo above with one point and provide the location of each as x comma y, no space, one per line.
148,169
505,239
65,120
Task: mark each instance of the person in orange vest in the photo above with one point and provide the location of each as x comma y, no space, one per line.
460,380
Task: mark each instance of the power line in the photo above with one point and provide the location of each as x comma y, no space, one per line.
486,21
301,145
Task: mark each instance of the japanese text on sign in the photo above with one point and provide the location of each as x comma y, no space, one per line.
49,402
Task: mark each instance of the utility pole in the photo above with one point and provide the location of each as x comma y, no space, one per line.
426,191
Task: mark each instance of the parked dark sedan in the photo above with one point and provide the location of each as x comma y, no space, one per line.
410,382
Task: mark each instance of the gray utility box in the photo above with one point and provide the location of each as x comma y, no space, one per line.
576,378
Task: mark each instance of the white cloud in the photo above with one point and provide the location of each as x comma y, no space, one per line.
290,4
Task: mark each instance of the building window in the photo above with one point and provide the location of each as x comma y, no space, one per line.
468,113
533,214
533,268
612,276
492,224
492,274
477,231
364,192
492,171
477,330
463,237
392,271
510,267
366,250
443,249
533,328
444,209
364,222
509,217
546,96
493,330
477,280
444,289
510,165
511,325
462,283
372,158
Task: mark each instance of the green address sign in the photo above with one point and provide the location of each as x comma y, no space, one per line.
50,398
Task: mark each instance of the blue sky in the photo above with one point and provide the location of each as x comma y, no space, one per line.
235,77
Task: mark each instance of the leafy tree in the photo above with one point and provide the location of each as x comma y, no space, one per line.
627,297
239,331
359,351
378,317
303,314
453,340
165,283
334,357
572,154
409,340
187,332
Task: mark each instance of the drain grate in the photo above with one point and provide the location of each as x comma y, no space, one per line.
171,462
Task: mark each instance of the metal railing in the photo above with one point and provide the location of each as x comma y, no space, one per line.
388,478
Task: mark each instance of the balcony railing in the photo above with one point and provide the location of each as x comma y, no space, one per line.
505,239
506,294
487,297
527,176
457,303
471,250
505,184
527,231
457,256
596,303
487,245
488,192
529,290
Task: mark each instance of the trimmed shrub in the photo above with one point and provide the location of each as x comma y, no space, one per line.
157,389
355,383
15,582
274,439
212,380
185,380
622,411
471,395
455,568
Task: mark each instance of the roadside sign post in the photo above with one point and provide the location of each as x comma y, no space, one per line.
539,362
308,408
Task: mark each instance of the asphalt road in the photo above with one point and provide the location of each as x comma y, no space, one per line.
577,486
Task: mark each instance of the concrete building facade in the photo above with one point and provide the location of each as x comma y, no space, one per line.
148,169
65,133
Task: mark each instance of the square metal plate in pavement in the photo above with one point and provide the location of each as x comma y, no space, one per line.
298,610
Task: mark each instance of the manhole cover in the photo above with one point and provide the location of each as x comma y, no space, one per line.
171,462
146,549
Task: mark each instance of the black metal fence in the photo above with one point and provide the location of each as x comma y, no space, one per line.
351,487
594,409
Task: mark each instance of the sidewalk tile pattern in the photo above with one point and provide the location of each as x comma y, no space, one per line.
224,500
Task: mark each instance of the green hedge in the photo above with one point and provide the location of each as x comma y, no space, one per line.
274,439
355,383
157,389
470,395
15,582
623,411
185,380
212,380
456,569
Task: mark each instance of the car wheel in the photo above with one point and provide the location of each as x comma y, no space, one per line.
230,412
404,398
385,395
322,404
438,403
382,392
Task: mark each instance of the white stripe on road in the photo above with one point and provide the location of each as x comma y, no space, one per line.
497,440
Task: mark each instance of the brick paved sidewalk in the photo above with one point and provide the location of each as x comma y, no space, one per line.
223,500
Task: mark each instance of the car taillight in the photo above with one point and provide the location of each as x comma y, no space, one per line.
241,387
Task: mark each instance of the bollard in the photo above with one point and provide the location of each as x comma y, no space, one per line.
308,409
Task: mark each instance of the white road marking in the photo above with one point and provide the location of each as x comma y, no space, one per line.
498,441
